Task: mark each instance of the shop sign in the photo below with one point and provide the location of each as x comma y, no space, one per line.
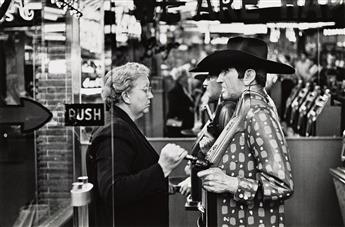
71,5
17,6
89,83
91,114
30,115
285,10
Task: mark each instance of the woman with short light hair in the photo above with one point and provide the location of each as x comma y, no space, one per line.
121,79
129,177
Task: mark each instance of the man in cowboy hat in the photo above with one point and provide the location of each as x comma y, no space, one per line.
253,177
224,110
212,89
212,95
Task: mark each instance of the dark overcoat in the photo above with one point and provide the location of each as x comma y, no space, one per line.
119,149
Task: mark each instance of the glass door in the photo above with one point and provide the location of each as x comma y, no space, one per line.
51,59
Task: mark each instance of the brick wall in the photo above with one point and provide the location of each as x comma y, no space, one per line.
54,141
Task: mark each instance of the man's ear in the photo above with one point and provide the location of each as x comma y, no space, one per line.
249,77
125,97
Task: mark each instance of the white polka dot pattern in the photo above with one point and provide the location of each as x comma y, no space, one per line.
259,157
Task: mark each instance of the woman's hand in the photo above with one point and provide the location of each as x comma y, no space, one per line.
171,155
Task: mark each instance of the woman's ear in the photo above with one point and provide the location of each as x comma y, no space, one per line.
126,97
249,77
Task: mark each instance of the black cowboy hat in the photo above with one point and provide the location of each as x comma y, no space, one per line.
204,75
201,76
242,52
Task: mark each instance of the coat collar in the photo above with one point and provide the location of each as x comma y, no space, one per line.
118,112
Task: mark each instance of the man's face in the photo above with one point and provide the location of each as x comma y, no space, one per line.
213,88
232,86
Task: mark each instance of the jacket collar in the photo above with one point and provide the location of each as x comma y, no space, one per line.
118,112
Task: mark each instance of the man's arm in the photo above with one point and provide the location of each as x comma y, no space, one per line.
270,150
273,168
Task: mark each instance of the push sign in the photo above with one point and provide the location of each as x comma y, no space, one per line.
84,114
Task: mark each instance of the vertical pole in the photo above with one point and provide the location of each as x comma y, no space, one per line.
75,217
80,199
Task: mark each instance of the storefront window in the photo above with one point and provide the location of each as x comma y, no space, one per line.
44,59
20,33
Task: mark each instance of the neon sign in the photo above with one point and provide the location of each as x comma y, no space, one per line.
17,6
228,11
71,5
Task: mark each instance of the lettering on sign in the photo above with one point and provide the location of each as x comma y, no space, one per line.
238,11
18,5
88,83
84,114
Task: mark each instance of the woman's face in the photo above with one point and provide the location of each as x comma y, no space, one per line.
140,96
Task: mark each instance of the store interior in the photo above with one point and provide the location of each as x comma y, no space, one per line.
57,52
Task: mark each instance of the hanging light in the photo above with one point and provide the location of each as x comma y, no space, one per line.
290,35
207,38
301,2
322,2
335,31
274,35
269,4
237,4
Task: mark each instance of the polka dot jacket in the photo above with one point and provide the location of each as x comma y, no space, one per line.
259,157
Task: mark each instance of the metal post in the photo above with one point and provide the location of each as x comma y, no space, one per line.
80,198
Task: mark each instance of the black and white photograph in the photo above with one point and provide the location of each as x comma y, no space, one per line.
172,113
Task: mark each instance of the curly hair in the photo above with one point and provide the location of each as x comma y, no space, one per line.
121,79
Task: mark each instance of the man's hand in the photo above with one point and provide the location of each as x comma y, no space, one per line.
206,142
171,156
173,188
185,186
215,180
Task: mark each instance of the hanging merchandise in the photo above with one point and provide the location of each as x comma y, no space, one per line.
315,112
291,98
343,149
304,109
302,94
